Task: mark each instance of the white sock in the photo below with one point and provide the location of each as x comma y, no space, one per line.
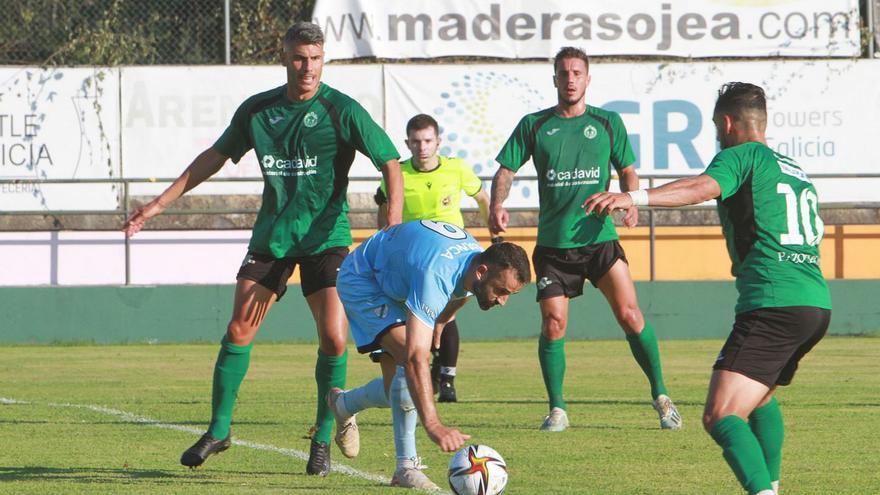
775,485
364,397
447,370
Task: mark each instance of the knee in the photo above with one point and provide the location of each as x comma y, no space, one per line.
239,333
553,326
630,319
709,419
332,343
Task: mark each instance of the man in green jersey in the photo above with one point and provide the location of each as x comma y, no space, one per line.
769,214
305,135
572,145
432,187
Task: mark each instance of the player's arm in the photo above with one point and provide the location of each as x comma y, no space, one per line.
682,192
393,191
629,181
498,216
418,379
445,316
482,198
208,163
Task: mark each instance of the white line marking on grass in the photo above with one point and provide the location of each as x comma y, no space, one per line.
134,418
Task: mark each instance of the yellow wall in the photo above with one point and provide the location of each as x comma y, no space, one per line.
699,253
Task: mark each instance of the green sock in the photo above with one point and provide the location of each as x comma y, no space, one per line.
742,453
551,353
766,423
232,365
644,349
329,373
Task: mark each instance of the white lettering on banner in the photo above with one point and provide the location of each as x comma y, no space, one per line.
408,28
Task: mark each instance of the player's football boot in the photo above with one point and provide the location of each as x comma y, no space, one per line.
413,477
669,417
557,420
447,391
195,456
319,459
347,438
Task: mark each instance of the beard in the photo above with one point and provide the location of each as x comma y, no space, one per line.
483,300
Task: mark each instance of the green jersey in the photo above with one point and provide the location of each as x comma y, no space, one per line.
573,158
305,150
770,217
436,194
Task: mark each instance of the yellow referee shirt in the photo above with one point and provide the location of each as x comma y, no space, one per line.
436,195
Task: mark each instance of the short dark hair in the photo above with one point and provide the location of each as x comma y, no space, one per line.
738,99
422,121
570,52
303,33
504,255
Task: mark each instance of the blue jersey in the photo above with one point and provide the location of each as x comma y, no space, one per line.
420,264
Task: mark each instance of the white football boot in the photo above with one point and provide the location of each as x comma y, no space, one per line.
347,436
669,417
410,475
557,420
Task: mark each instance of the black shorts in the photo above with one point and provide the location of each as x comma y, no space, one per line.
561,272
316,272
766,344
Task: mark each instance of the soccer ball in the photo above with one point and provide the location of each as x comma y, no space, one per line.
477,470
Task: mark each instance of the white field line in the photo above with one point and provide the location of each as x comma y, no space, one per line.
134,418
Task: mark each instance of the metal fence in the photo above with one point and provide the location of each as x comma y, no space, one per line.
127,32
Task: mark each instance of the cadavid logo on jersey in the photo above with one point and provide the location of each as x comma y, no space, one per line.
590,131
574,177
289,168
310,120
543,283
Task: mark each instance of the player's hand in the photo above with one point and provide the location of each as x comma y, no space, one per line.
604,203
438,333
449,439
135,222
631,219
498,220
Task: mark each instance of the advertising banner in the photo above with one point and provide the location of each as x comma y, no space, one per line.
59,123
171,114
406,29
822,114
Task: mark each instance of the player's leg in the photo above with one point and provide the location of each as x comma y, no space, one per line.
611,273
404,417
251,303
318,275
551,355
732,398
560,277
808,325
373,394
448,357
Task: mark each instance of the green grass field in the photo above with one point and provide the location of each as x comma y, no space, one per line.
114,419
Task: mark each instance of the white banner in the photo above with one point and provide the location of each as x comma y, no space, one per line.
526,29
823,114
171,114
59,123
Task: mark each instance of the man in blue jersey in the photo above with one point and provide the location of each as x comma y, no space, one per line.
397,287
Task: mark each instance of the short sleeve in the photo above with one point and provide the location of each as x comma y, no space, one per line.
235,140
367,137
730,170
470,183
427,298
518,148
622,154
